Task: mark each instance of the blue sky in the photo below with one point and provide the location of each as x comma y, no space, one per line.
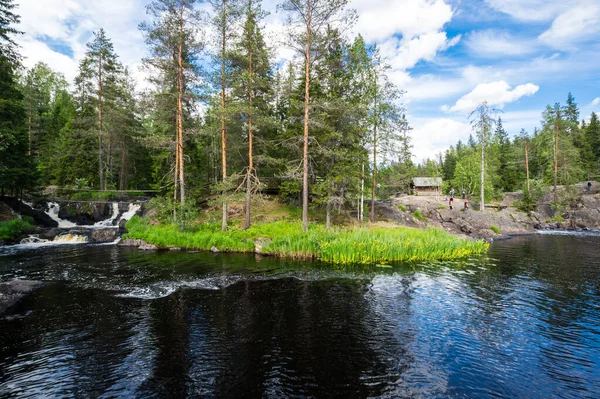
448,55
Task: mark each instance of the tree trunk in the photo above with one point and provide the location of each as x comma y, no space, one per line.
527,164
223,131
250,144
482,205
362,194
556,155
100,166
328,215
122,182
374,159
29,125
180,109
306,103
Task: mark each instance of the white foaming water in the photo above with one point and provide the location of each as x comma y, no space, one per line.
109,222
131,211
52,211
34,241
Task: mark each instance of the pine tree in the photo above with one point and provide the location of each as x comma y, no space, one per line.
308,21
98,74
251,62
176,41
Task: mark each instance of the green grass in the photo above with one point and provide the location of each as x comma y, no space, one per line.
556,219
338,246
418,215
495,229
402,207
12,229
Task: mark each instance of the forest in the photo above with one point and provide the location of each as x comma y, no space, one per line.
222,121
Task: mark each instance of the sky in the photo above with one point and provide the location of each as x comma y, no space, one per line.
447,55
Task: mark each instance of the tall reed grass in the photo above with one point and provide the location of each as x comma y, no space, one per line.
339,246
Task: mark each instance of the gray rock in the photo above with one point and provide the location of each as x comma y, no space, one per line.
130,242
147,247
214,249
103,235
50,234
12,292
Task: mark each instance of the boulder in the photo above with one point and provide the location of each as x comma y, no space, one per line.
147,247
130,242
103,235
12,292
50,234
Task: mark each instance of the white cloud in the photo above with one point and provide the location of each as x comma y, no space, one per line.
596,101
432,136
405,54
532,10
495,93
576,24
380,19
69,24
493,44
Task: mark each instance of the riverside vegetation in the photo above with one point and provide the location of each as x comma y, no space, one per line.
280,236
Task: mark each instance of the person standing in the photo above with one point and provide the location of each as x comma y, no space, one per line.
450,203
464,194
452,192
589,186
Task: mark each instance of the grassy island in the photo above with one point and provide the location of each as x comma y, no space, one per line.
342,245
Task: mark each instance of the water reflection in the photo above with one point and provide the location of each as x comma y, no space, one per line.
115,322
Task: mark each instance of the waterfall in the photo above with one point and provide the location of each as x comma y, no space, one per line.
52,211
109,222
133,209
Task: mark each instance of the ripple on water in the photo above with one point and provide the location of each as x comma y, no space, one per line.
523,322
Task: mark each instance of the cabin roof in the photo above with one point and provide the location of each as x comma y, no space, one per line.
427,181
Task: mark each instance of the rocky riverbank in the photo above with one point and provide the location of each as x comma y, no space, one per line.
574,209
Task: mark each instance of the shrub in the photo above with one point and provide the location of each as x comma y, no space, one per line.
495,229
402,207
12,229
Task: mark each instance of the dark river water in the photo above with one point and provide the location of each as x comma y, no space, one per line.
522,322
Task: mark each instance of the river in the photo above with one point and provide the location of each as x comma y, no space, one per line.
521,322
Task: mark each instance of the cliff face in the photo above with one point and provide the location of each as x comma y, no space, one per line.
574,209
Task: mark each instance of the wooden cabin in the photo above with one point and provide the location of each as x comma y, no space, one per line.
427,185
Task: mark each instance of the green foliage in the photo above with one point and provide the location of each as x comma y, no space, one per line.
12,229
495,229
354,246
418,215
402,207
